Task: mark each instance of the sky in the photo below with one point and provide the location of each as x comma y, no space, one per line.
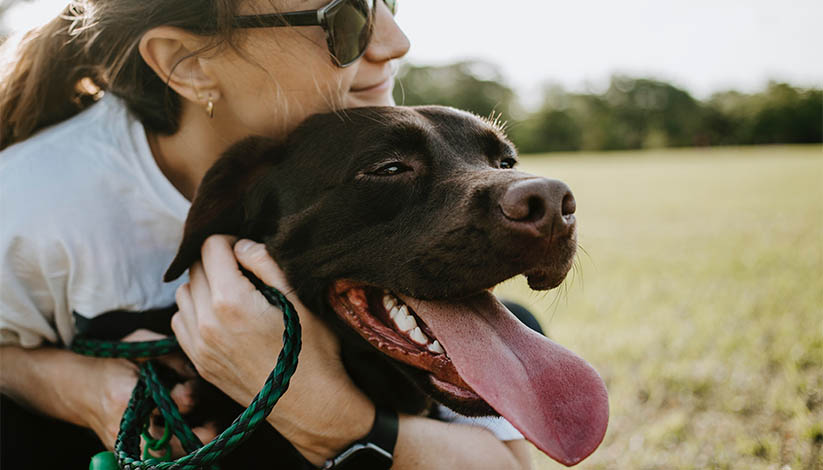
701,45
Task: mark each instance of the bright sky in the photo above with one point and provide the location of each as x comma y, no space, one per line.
702,45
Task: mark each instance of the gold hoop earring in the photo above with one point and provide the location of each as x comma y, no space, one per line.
210,109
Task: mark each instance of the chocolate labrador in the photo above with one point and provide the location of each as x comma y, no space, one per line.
393,224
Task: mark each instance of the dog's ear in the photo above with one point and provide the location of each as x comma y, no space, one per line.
226,201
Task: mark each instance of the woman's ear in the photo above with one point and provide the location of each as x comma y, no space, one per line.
172,54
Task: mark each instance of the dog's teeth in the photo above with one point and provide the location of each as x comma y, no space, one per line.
389,302
394,312
418,337
436,348
404,321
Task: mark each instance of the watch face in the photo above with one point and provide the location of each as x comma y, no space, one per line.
364,457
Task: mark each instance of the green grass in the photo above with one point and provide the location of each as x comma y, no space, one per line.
699,299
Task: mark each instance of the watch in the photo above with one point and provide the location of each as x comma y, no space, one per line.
373,452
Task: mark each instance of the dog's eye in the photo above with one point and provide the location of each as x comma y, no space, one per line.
508,163
391,169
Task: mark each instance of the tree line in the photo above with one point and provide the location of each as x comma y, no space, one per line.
633,113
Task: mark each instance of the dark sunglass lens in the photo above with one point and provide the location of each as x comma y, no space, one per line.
351,29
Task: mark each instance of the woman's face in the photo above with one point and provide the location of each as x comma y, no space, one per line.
282,75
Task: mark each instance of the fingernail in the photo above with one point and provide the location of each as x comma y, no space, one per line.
243,245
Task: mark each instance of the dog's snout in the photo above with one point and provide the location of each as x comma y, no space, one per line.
539,203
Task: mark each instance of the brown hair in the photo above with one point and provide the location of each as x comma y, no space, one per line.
59,69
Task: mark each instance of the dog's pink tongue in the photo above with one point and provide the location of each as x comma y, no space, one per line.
555,398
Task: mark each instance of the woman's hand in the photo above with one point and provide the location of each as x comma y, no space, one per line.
118,378
233,336
183,393
113,382
91,392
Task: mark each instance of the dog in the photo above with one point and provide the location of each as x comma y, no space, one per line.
393,224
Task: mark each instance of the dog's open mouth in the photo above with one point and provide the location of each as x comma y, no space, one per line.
475,350
391,326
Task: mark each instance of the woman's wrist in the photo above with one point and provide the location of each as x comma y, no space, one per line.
324,424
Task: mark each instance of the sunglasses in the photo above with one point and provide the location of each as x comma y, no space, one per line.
348,24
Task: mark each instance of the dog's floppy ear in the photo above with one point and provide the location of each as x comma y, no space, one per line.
225,202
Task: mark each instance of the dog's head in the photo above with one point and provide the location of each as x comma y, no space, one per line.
397,222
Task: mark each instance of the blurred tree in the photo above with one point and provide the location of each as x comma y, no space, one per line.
780,114
652,113
551,128
471,85
547,131
632,113
787,114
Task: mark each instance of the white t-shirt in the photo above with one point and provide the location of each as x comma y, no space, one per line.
88,226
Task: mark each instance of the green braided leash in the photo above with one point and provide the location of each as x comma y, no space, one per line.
149,394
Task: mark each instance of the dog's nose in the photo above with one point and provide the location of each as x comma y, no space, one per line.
541,204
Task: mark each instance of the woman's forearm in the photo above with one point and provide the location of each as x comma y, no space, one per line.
81,390
424,443
33,377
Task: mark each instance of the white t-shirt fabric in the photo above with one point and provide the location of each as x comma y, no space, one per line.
88,226
498,426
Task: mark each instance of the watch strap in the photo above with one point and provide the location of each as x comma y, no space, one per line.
384,430
383,435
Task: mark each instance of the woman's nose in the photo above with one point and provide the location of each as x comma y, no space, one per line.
388,42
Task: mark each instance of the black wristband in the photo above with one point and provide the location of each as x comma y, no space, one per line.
373,452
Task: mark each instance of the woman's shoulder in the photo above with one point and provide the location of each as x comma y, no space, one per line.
75,141
84,169
55,165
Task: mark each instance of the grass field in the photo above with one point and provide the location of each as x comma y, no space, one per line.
699,299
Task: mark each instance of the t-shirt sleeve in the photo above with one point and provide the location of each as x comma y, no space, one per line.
29,295
498,425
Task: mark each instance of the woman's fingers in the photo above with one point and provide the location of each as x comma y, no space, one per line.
205,433
183,395
184,322
142,335
200,292
219,266
254,257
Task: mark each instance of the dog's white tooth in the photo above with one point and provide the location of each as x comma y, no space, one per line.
389,302
394,312
418,337
402,311
436,348
404,321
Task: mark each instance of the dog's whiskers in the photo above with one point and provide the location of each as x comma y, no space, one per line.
496,121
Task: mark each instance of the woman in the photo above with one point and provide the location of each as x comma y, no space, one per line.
95,192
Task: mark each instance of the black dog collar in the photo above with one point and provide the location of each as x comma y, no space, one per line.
373,452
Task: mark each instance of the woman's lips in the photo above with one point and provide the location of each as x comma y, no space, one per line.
380,87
